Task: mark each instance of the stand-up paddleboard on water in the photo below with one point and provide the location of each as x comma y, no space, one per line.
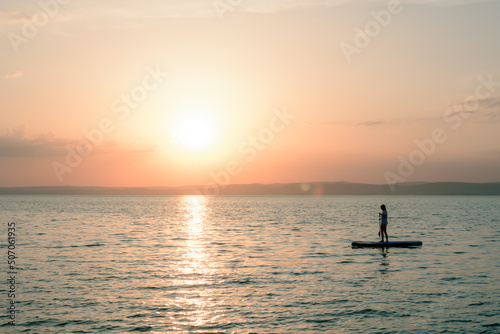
387,244
383,222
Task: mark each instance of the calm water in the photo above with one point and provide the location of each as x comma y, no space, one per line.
111,264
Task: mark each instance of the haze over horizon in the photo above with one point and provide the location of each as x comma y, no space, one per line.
176,93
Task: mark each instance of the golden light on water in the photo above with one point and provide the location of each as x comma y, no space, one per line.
195,272
196,260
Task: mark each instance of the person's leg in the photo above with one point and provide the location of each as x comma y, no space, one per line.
382,231
385,231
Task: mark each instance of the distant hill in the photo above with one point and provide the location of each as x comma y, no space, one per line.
313,188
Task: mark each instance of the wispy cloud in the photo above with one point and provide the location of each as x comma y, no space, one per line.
13,17
492,102
355,124
16,12
271,6
481,115
370,123
23,14
486,103
13,75
485,110
16,143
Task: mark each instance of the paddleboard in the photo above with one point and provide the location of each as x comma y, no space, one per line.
387,244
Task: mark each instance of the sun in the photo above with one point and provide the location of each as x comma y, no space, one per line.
195,130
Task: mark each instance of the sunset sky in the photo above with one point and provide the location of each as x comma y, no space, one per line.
179,92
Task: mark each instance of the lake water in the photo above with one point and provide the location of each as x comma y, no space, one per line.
119,264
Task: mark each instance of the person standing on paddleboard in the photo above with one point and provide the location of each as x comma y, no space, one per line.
383,223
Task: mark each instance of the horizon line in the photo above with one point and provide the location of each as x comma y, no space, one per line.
254,183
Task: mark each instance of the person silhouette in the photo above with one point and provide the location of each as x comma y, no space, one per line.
383,223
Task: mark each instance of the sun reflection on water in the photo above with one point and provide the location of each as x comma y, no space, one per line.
196,259
195,271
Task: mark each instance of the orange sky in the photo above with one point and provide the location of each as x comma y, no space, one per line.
168,93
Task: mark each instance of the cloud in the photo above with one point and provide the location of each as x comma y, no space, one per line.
364,123
353,124
13,75
24,13
14,17
486,104
485,110
272,6
93,9
492,102
370,123
15,143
